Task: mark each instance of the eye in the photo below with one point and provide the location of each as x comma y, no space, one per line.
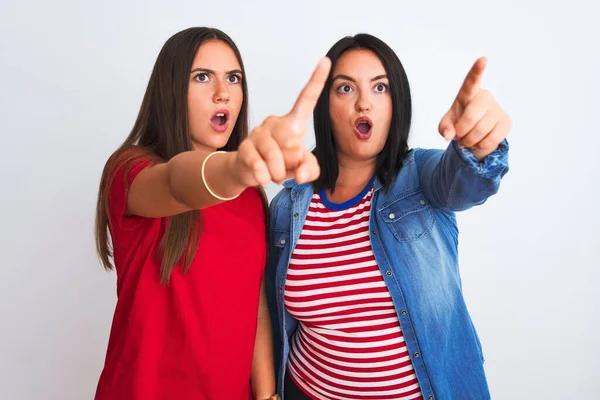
345,88
234,78
381,88
201,77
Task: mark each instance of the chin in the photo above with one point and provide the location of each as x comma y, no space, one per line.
221,143
213,142
364,154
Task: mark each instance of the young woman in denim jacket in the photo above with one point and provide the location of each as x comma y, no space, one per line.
363,278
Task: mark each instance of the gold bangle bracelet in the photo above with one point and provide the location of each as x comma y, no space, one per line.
213,194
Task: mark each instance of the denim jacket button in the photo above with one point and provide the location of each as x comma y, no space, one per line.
282,241
403,312
430,398
417,355
392,216
423,203
388,272
295,215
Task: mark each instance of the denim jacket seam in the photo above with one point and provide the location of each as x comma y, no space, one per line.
398,198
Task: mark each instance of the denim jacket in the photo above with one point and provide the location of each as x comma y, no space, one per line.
414,237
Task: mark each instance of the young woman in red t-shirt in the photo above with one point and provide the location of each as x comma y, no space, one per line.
181,216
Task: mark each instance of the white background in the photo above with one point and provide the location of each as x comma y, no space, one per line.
72,77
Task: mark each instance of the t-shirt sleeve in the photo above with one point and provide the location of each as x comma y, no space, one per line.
119,188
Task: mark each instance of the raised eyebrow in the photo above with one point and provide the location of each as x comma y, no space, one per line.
349,78
206,70
378,77
210,71
345,77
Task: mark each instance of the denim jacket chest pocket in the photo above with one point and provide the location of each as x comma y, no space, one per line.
408,216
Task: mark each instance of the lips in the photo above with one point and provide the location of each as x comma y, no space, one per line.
219,120
363,127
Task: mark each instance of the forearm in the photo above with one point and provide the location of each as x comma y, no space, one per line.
456,180
263,370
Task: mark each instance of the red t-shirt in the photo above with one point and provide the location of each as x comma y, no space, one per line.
194,337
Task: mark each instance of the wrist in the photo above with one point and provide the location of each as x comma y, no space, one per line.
480,155
233,170
217,178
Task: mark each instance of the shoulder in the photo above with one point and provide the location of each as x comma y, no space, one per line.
124,165
119,173
291,189
281,199
407,178
133,155
419,155
281,207
412,161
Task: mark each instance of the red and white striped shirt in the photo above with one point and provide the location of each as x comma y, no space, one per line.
349,344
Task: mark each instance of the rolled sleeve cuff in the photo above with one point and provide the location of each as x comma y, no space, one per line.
494,165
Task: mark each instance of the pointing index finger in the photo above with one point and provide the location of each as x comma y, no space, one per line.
307,100
472,82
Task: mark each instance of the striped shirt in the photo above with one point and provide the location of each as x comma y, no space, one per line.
349,344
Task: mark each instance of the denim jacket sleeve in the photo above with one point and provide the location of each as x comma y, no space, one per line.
455,180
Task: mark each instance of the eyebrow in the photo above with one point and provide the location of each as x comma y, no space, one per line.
210,71
349,78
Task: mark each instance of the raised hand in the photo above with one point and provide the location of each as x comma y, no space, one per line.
274,150
475,120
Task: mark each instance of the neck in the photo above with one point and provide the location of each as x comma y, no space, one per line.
353,175
354,172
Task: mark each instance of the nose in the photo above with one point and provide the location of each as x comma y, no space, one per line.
363,103
221,93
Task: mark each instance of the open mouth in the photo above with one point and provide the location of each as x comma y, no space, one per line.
363,127
220,118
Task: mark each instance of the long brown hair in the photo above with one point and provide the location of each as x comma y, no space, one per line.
161,132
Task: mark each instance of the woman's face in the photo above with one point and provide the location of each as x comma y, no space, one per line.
214,96
360,106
